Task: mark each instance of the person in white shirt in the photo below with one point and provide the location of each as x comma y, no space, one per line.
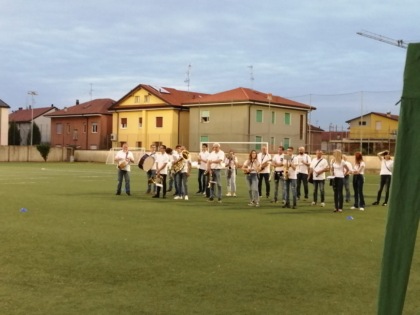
124,158
338,170
304,161
290,176
162,161
230,162
251,168
358,181
277,163
347,178
387,166
318,167
151,188
176,157
264,158
203,155
216,158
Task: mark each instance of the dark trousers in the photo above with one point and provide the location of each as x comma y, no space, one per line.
319,184
338,192
385,181
302,178
359,199
158,188
266,178
202,180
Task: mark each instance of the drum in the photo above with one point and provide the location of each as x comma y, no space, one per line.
146,162
122,164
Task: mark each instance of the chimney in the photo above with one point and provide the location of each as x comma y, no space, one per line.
77,102
65,109
20,108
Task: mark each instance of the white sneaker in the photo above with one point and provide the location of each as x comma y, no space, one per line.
228,194
234,195
313,203
322,204
177,197
352,208
186,198
362,209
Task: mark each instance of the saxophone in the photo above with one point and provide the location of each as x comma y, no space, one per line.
287,158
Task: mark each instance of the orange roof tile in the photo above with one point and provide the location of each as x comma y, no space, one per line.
94,107
26,115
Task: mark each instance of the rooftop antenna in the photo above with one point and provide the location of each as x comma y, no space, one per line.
91,91
251,73
187,80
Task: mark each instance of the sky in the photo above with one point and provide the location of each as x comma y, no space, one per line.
304,50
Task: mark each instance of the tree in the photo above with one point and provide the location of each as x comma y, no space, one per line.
44,150
36,139
14,134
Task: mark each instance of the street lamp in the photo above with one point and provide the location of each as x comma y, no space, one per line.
32,94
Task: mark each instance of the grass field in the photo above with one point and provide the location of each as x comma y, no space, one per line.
80,249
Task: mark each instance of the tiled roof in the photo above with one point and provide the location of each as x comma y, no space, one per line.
386,115
25,115
246,95
3,104
94,107
315,129
170,97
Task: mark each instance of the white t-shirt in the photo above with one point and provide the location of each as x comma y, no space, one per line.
162,160
121,156
292,173
318,165
338,169
303,168
214,156
278,159
253,166
386,167
204,155
264,157
360,168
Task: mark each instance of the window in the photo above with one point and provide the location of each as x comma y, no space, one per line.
205,116
301,127
362,123
59,128
136,99
286,143
139,144
123,123
68,128
272,142
287,118
204,139
259,116
378,125
273,117
94,127
159,122
258,139
140,122
147,98
75,134
84,128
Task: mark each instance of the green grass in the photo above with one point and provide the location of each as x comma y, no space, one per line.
79,249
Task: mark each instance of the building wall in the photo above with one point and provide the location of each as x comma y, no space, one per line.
377,127
4,126
81,133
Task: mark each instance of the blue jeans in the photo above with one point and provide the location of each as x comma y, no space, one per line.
290,186
252,181
359,198
215,176
126,176
321,185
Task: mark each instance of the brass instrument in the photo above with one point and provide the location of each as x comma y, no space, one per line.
288,158
264,165
179,164
157,180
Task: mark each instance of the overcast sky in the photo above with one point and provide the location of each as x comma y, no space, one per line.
306,50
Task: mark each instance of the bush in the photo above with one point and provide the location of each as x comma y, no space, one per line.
44,150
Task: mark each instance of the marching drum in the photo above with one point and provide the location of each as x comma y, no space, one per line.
146,162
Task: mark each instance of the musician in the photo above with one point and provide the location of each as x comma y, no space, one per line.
231,161
358,181
251,167
318,167
347,179
277,163
176,156
387,166
124,158
162,161
216,158
184,173
338,169
151,188
290,164
264,175
304,161
169,169
203,155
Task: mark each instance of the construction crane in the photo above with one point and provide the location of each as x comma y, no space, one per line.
399,43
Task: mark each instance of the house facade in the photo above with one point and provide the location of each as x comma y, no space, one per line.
373,132
39,116
85,126
246,115
152,115
4,123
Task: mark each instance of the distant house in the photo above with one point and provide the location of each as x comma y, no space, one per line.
150,114
39,116
246,115
4,123
84,126
373,131
314,139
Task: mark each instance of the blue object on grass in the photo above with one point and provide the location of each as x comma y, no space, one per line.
23,210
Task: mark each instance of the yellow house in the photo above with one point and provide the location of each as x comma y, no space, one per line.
375,126
151,115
